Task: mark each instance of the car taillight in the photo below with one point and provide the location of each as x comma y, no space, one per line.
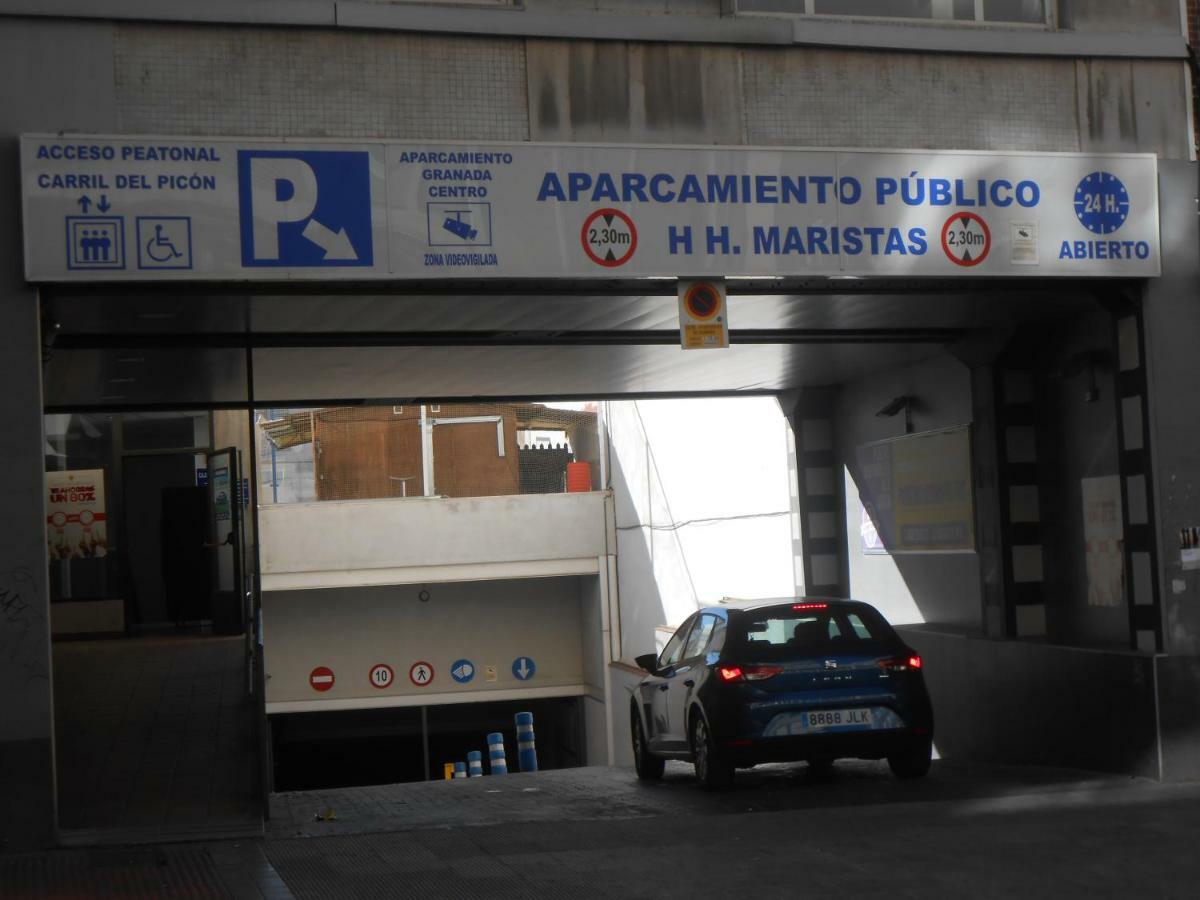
900,663
803,606
747,673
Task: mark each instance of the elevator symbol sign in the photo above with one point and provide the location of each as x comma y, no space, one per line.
305,208
95,242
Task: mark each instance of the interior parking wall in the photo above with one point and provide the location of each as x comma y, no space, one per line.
942,588
490,623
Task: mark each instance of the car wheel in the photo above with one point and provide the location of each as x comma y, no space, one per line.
713,770
913,762
649,767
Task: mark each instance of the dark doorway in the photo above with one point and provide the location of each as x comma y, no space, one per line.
186,575
360,747
151,540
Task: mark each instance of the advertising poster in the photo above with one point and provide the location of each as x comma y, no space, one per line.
1103,540
221,499
916,491
76,526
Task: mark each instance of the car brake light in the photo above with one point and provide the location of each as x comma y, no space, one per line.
900,663
747,673
803,606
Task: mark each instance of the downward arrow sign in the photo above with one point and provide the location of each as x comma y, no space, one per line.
336,244
523,671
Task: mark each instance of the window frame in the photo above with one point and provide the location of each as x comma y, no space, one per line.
682,634
1049,23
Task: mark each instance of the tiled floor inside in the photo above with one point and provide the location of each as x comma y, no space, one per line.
154,733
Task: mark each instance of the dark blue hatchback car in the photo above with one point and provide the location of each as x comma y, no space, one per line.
809,679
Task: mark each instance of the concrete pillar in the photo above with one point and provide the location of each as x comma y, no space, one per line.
1171,338
1170,334
40,95
990,506
27,722
822,505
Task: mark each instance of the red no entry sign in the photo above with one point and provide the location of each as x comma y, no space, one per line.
321,678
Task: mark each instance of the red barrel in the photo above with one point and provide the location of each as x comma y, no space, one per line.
579,477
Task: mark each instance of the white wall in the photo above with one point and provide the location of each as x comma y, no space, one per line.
703,508
356,542
907,588
489,623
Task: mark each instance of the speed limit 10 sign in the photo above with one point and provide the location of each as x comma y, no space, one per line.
381,676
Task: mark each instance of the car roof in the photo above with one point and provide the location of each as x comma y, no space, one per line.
734,604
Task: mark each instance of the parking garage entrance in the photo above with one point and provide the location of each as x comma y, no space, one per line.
889,329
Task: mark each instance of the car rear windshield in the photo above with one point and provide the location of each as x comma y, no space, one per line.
782,632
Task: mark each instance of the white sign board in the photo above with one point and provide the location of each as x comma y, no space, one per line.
148,208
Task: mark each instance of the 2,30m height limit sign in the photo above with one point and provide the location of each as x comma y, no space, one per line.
966,239
609,237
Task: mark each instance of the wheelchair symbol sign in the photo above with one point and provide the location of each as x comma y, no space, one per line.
164,242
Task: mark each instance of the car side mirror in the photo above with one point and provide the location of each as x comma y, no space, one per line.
647,661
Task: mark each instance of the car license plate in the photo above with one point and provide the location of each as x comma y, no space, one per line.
832,719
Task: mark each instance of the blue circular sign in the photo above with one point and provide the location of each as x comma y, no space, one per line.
1101,202
462,670
523,668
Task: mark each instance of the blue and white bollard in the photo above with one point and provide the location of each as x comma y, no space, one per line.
474,764
497,764
526,749
460,770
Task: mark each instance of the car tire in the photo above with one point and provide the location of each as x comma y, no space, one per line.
913,762
648,766
713,769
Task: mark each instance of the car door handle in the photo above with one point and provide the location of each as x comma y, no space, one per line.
689,683
663,687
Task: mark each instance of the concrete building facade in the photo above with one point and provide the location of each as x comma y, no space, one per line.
1062,384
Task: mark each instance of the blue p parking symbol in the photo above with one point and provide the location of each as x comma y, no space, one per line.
305,208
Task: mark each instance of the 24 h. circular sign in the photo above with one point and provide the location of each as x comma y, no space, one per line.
609,237
966,239
1101,202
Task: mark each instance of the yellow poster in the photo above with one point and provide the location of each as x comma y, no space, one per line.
917,490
